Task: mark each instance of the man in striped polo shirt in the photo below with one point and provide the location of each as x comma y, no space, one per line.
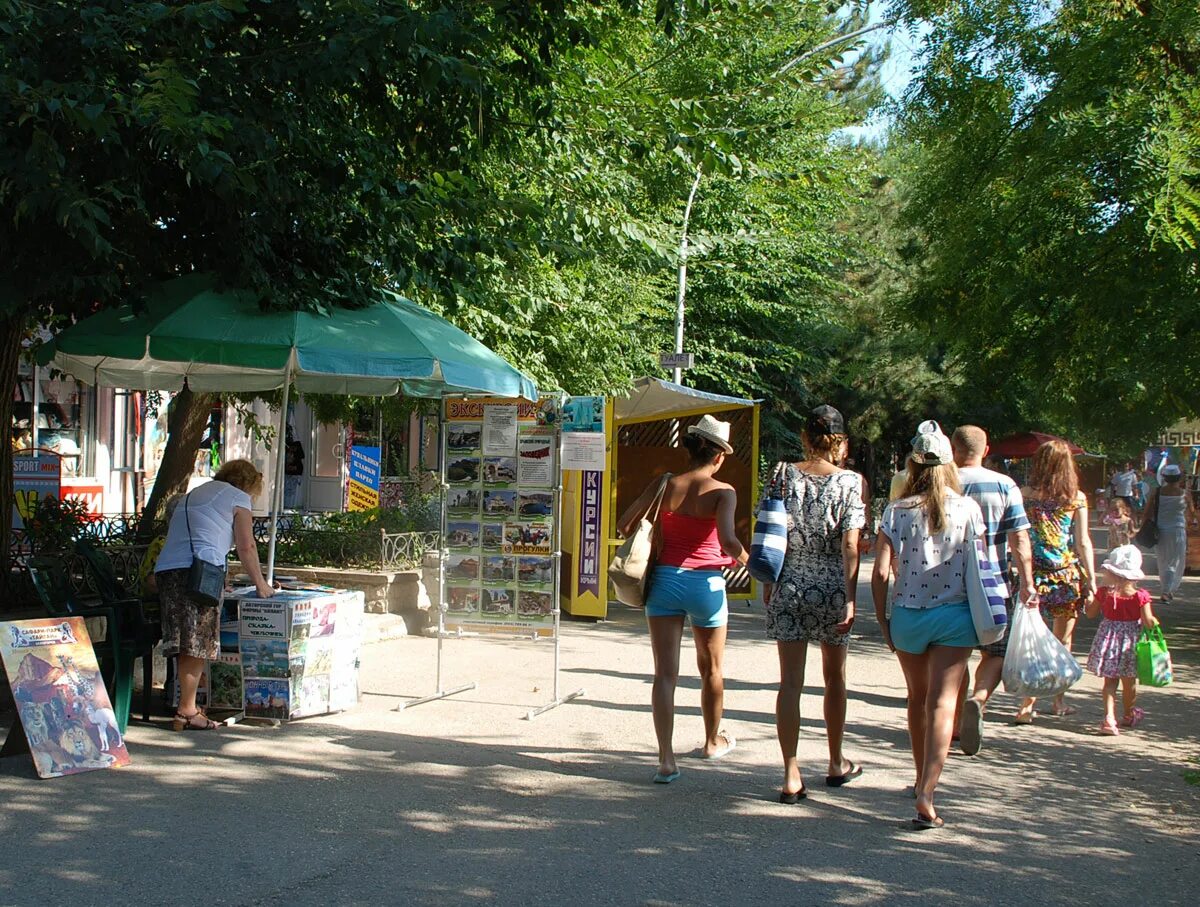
1007,533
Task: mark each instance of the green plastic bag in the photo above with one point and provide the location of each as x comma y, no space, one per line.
1153,659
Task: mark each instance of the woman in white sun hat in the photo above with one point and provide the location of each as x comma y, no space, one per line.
1172,508
696,524
923,534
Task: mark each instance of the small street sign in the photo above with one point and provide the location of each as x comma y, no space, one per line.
675,360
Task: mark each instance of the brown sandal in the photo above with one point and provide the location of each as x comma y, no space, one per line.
188,722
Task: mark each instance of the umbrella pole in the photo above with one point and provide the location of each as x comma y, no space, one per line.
277,488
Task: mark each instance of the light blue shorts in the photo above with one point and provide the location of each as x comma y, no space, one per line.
700,594
916,629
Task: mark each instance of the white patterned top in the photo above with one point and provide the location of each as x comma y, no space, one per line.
930,569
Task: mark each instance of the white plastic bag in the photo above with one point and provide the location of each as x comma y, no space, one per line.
1036,663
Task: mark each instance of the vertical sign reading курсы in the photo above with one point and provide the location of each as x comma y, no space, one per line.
583,449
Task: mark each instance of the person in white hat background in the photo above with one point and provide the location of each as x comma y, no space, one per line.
923,534
1113,658
698,540
1171,507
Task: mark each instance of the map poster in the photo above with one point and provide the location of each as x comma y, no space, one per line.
61,702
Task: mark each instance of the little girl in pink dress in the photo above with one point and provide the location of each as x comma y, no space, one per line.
1126,610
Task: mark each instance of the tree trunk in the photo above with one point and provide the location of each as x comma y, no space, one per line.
185,426
12,330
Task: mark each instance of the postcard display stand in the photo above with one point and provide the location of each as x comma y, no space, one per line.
293,655
501,493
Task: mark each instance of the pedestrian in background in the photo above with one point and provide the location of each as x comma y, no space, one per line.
1063,560
925,534
814,600
1172,509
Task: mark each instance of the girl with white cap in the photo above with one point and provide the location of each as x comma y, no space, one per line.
924,534
1113,658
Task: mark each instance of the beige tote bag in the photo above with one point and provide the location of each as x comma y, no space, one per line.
631,564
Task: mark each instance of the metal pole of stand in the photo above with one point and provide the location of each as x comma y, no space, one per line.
441,628
556,560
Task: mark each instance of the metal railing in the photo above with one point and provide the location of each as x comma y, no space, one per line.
406,550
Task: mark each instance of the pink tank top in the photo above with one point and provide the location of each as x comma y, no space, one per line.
691,542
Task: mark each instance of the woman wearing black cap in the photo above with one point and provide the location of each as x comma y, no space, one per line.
814,598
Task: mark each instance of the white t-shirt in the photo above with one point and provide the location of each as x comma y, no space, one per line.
1122,483
930,570
209,508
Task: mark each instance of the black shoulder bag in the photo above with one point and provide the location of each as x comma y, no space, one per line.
1147,536
206,582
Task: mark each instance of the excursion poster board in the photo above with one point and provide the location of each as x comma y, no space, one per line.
502,475
62,704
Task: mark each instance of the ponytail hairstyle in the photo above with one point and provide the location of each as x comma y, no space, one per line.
700,450
822,446
931,484
1052,474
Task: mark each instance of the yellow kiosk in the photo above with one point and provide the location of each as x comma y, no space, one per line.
642,440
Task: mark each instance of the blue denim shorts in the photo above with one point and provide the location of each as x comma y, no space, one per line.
700,594
916,629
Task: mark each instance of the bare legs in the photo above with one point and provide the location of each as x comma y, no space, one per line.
710,657
1064,632
933,680
792,659
665,636
190,668
1128,697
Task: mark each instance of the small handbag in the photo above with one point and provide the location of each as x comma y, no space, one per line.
630,566
985,587
769,544
1153,660
205,581
1147,536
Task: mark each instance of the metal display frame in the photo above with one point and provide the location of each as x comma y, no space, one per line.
556,561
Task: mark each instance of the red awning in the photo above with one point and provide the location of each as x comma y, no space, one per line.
1025,444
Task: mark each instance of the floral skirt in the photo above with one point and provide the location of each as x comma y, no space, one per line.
1059,589
187,628
1114,650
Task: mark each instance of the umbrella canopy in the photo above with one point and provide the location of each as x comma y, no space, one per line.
1025,444
220,340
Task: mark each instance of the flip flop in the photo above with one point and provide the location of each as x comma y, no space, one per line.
660,778
972,727
795,797
730,745
922,822
1065,710
842,780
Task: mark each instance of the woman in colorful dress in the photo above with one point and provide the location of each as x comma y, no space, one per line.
1063,560
814,598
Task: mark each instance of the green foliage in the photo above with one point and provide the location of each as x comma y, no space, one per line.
56,524
1051,196
351,539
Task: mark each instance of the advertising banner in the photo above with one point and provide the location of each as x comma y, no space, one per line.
34,478
363,493
62,704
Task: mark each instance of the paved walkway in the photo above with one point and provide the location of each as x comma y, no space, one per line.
463,801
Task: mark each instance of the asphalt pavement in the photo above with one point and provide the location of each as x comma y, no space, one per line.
464,801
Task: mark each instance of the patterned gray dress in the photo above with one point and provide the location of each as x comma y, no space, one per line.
810,598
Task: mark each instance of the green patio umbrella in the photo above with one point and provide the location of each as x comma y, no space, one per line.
220,340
